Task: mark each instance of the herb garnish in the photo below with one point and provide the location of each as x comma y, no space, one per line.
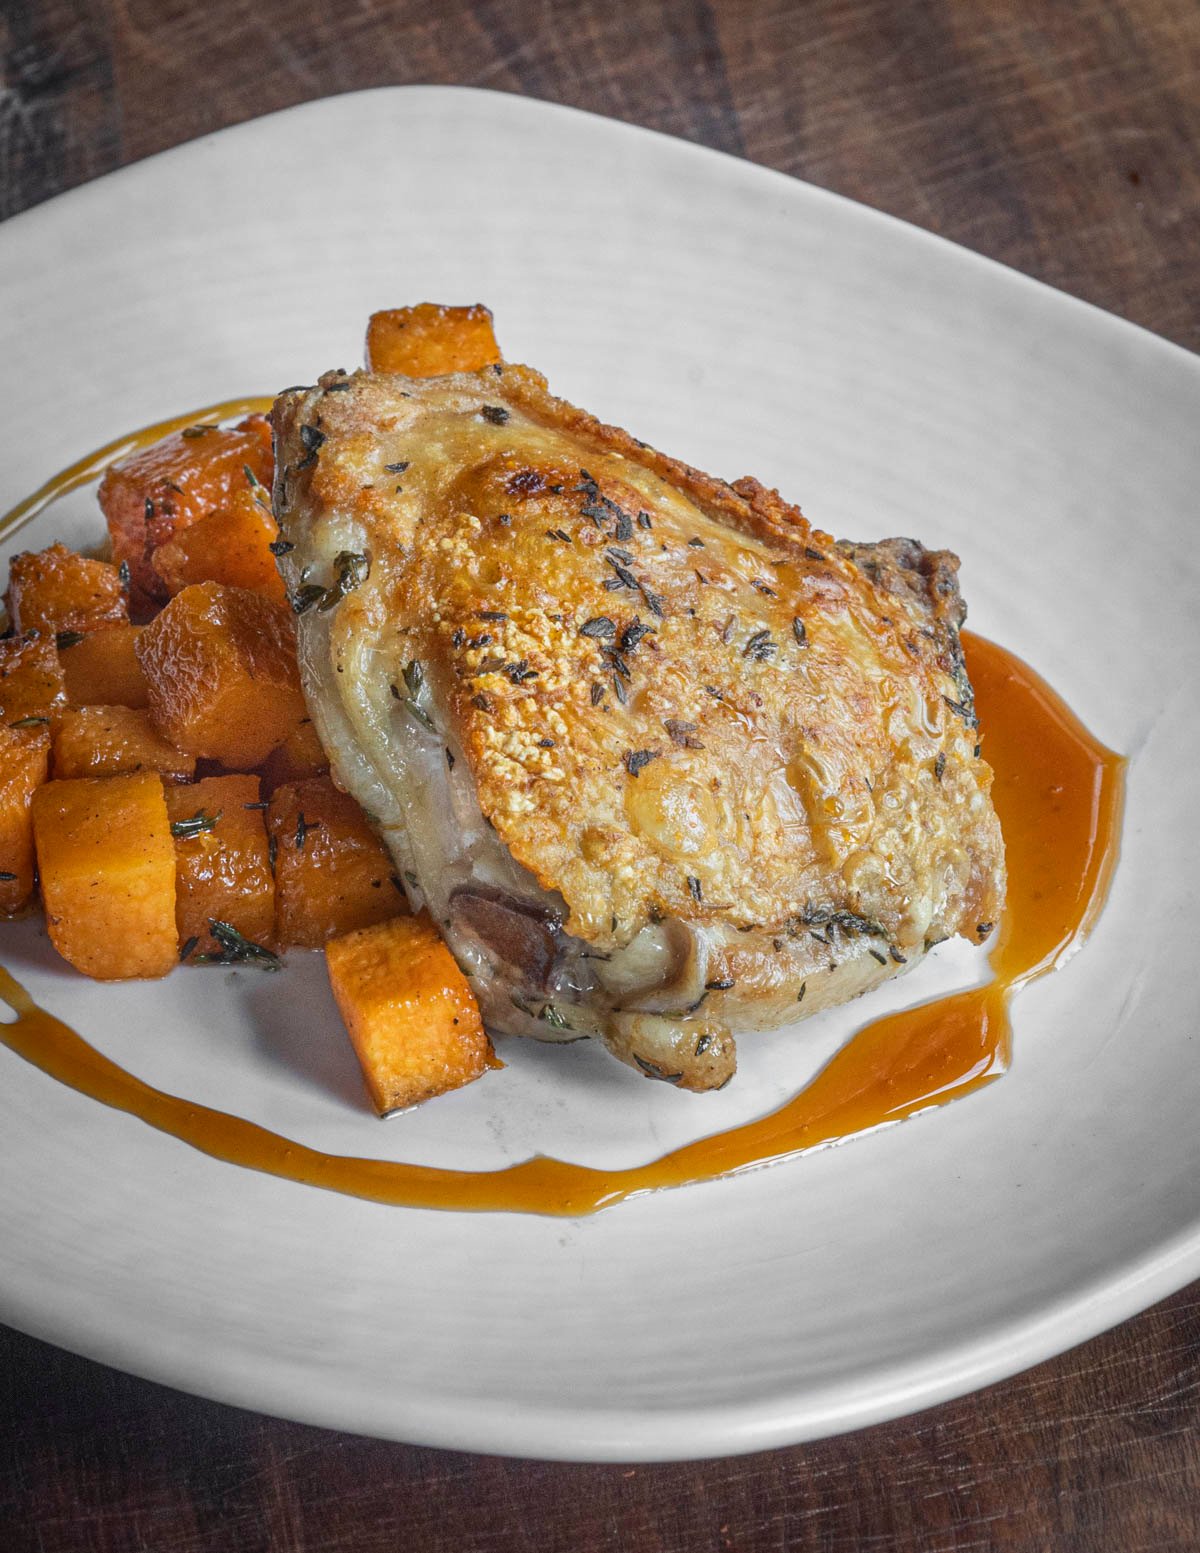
397,468
351,570
722,985
187,946
304,598
30,722
280,546
251,478
303,828
939,765
696,888
68,639
652,1070
799,632
496,413
414,679
187,830
681,733
597,693
6,877
600,626
311,439
653,602
635,759
634,633
199,429
624,577
236,949
759,647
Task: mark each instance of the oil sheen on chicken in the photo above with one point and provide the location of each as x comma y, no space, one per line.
664,762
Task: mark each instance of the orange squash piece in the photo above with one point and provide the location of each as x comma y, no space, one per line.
429,340
332,873
222,871
410,1012
231,546
300,755
24,760
57,589
221,664
102,669
31,680
153,493
95,741
107,866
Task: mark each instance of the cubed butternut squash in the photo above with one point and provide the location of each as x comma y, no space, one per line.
101,668
429,340
232,546
222,862
300,755
57,589
410,1012
332,873
107,867
95,741
32,687
24,761
158,490
221,665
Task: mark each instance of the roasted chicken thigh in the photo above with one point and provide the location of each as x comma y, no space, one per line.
664,762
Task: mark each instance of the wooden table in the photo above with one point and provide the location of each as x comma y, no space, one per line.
1057,135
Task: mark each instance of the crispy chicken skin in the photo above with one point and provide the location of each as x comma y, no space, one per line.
664,762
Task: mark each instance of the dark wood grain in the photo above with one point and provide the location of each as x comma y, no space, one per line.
1058,137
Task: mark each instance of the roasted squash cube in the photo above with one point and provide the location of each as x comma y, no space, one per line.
221,664
57,589
24,758
222,862
300,755
151,494
94,741
410,1012
101,669
32,687
430,340
230,546
107,866
332,873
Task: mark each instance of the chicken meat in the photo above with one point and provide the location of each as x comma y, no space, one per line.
664,762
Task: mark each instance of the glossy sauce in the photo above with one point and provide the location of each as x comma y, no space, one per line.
1058,793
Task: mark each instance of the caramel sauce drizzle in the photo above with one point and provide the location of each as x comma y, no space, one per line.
1059,796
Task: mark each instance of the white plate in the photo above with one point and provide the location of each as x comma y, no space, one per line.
893,384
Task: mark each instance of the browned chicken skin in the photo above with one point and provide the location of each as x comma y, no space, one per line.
665,762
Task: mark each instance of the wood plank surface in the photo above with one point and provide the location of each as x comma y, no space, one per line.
1058,137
